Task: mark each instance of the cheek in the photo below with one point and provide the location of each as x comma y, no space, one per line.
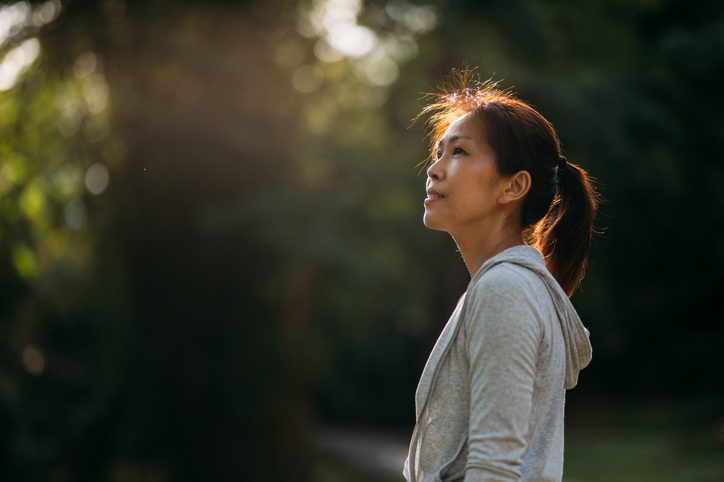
480,190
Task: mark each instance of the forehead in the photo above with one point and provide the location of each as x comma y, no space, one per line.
463,126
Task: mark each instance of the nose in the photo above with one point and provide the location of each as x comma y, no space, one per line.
435,171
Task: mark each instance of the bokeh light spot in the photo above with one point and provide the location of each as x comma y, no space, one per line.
85,65
307,78
46,13
12,18
351,40
96,93
380,71
96,178
417,18
33,360
325,52
32,200
289,53
24,262
75,215
17,61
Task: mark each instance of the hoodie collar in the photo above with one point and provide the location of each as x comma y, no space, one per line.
575,334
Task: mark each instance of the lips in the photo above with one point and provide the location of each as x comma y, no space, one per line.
433,195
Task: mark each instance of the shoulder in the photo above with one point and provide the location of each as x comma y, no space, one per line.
506,294
506,281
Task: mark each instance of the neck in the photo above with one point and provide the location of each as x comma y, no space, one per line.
479,245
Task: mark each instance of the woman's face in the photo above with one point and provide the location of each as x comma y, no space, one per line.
463,184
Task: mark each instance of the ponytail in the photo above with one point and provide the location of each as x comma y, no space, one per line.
564,234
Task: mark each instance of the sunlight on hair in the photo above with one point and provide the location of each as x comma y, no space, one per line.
462,92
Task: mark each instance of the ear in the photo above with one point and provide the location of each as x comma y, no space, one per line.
517,186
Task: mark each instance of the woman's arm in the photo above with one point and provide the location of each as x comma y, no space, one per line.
503,335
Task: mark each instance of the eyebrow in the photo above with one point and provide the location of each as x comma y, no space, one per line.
452,139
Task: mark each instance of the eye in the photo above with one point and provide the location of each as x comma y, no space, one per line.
458,150
438,154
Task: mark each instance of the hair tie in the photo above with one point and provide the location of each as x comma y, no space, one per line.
562,163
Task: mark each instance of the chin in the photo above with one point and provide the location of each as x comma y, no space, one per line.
431,222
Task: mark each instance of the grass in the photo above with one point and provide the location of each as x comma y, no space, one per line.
334,470
630,455
603,455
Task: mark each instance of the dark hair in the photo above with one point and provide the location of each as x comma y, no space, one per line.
558,212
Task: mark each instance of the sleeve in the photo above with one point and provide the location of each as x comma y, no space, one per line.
503,334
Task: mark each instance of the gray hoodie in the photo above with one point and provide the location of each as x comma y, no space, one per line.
490,401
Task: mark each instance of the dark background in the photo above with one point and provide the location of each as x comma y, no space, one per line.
211,239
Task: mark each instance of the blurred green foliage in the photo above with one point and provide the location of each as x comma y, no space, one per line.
210,234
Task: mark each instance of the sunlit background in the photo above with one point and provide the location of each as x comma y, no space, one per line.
212,262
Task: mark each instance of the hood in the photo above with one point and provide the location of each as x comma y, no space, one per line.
575,335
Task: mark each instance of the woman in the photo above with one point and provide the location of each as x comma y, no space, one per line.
490,402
